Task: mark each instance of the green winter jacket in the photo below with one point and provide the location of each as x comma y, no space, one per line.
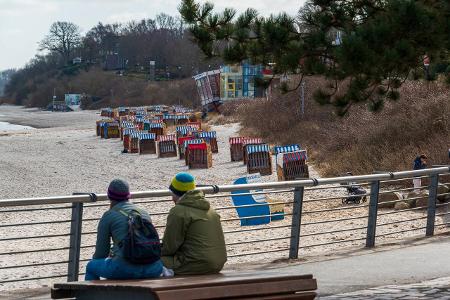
193,241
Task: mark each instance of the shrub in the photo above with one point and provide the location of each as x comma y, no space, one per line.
362,142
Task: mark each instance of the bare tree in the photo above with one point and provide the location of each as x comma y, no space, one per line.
62,38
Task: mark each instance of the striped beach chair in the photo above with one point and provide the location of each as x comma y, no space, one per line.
292,165
134,141
246,142
182,119
147,143
211,138
107,112
259,159
112,130
123,111
126,125
157,128
199,155
170,119
126,137
99,124
186,148
283,149
166,146
184,130
197,125
236,148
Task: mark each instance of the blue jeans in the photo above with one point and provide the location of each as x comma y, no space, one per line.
118,268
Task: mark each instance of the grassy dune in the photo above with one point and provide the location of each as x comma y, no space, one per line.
363,142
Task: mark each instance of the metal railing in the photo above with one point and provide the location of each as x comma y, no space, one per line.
60,244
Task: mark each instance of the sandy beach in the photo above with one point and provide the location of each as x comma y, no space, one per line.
62,155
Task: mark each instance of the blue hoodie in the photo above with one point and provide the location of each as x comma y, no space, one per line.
418,165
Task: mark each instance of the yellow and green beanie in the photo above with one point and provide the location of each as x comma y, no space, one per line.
182,183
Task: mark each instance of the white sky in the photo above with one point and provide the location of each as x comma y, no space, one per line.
23,23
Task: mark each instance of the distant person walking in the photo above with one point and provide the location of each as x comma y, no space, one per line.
419,163
193,241
110,263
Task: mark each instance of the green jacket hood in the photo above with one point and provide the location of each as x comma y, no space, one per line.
195,199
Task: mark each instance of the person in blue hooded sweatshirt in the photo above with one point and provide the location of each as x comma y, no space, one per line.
419,163
108,262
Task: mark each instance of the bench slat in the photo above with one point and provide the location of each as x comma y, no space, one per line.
248,286
178,282
299,296
239,290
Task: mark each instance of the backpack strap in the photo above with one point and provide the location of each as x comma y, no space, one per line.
119,210
123,212
126,214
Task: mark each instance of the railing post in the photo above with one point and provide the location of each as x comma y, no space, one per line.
431,210
75,242
373,213
296,222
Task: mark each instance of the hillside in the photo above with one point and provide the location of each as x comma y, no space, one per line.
112,64
362,142
110,89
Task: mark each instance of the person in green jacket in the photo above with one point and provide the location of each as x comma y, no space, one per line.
193,241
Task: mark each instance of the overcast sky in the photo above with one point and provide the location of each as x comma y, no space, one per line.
23,23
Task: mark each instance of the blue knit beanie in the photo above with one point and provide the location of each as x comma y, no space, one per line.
119,190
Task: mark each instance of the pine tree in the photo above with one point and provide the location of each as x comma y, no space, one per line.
365,48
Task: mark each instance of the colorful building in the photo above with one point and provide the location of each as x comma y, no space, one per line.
229,82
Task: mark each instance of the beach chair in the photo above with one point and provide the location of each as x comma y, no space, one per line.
182,119
185,130
106,112
249,141
259,159
157,128
200,156
284,149
125,125
186,148
170,119
126,137
133,146
98,127
211,138
166,146
292,165
236,148
112,130
147,143
197,125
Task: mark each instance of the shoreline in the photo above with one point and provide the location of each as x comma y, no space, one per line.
43,119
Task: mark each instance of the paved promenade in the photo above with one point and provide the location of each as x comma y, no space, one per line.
397,265
427,290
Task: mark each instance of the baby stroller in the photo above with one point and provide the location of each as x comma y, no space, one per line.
354,192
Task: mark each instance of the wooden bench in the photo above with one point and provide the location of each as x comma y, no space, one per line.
256,285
